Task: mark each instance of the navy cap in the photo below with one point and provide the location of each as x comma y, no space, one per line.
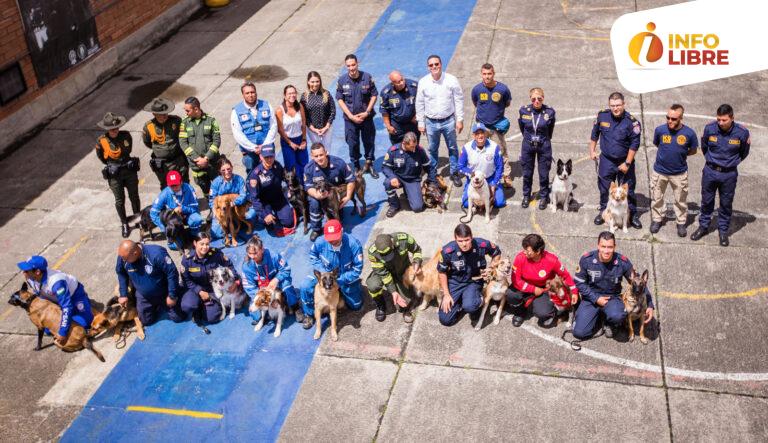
34,262
268,151
479,127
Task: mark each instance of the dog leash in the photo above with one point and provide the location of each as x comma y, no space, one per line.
576,343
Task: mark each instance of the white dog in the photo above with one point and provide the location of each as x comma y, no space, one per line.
616,214
269,303
562,188
478,196
226,292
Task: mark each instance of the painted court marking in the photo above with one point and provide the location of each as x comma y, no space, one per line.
180,412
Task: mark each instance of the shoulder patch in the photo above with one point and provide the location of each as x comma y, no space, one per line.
483,244
586,254
448,249
631,117
623,258
393,148
168,260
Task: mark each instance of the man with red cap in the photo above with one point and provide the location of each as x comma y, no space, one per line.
180,197
335,250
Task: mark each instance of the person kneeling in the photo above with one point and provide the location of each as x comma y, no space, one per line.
484,155
265,191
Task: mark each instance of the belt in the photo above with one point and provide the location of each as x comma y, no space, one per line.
439,120
720,168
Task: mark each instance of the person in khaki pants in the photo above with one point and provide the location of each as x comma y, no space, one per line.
675,142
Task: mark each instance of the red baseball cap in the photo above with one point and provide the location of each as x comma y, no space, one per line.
332,230
173,178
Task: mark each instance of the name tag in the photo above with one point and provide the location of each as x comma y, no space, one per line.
735,141
713,138
194,269
605,124
525,117
666,139
483,96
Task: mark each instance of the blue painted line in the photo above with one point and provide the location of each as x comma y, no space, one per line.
252,378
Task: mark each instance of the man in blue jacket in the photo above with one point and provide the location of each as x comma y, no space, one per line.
484,155
336,250
152,273
181,198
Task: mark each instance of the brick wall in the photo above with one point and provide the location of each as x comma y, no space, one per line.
115,19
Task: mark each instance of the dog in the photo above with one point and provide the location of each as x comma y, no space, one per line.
562,298
425,283
222,280
144,223
115,317
498,278
327,299
636,304
478,197
47,315
616,214
562,188
231,217
359,194
269,303
297,197
175,231
433,194
331,205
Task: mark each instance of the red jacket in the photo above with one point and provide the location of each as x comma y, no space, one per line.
529,275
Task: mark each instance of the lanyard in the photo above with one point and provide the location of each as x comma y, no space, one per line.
262,282
535,121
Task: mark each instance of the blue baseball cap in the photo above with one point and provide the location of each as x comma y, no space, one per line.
479,127
34,262
268,151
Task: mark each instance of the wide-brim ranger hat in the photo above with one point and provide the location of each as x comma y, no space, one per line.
111,121
160,105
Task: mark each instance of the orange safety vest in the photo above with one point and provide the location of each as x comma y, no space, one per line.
154,136
109,153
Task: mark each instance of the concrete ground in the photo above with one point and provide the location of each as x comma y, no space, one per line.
703,376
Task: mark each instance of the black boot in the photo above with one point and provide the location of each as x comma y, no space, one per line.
381,308
370,170
125,230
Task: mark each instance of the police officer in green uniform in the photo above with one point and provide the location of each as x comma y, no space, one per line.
200,138
389,260
161,135
113,148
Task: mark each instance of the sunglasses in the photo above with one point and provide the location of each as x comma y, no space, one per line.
537,99
433,65
672,119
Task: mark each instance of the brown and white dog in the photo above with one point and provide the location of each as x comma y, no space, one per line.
562,297
425,283
327,299
478,197
116,318
433,194
269,302
636,304
47,315
616,214
498,277
230,217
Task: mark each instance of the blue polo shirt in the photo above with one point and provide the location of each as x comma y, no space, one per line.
617,136
357,92
725,148
673,144
490,102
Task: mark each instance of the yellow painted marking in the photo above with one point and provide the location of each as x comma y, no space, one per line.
546,34
564,5
68,253
748,293
180,412
141,181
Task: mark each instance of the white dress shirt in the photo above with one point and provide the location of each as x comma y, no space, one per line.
241,139
438,99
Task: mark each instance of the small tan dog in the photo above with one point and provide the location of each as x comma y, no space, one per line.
47,315
269,303
636,304
116,317
327,299
498,277
425,283
616,214
230,217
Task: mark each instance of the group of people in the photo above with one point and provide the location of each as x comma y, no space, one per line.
147,273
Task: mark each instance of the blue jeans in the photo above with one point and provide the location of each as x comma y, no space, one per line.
295,160
497,199
447,128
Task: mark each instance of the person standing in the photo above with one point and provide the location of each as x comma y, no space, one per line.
675,142
537,124
320,109
491,99
113,148
292,126
440,111
200,138
161,135
253,125
356,93
398,107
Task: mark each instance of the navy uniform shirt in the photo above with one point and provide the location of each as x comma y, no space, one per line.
399,105
407,166
337,173
537,123
194,270
596,279
725,148
462,266
356,93
673,144
490,102
265,186
617,136
153,275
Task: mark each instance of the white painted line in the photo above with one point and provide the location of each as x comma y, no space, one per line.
703,375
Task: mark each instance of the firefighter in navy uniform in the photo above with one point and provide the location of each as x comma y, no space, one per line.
403,166
598,278
725,144
398,107
120,170
619,135
389,259
161,135
460,269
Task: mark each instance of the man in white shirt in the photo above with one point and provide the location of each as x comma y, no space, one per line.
440,110
253,125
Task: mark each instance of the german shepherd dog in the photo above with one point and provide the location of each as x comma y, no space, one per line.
433,193
327,299
359,194
47,315
297,196
116,317
231,217
329,205
636,304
